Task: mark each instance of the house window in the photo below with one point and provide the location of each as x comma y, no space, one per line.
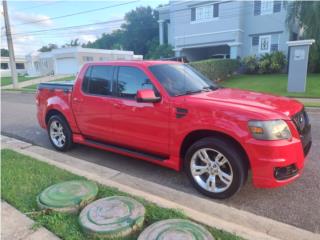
19,65
274,47
255,40
87,59
264,43
266,7
4,66
204,13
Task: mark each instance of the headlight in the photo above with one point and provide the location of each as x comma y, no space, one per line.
269,130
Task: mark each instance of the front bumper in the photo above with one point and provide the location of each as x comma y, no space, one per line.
277,163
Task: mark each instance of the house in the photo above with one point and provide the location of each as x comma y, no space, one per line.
20,66
228,29
69,60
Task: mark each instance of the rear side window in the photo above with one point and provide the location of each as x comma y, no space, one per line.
98,80
130,80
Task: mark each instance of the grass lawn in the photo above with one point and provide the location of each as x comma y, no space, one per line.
8,80
274,83
34,86
23,178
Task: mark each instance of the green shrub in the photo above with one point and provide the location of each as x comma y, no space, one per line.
216,69
250,64
268,63
157,51
314,58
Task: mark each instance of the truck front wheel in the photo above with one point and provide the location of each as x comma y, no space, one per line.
215,167
60,134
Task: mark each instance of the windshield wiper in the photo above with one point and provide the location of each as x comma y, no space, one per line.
204,89
189,92
211,87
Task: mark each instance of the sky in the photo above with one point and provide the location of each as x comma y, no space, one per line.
32,22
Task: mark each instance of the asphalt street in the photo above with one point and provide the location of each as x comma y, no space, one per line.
297,204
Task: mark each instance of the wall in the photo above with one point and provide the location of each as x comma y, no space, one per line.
225,28
273,24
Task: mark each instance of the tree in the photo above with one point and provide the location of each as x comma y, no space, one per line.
4,52
157,51
140,29
73,43
108,41
306,14
139,33
48,48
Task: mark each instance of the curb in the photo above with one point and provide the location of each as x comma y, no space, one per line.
238,222
18,226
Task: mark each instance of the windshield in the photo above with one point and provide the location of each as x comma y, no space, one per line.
181,79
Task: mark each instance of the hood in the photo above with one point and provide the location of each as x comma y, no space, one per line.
254,101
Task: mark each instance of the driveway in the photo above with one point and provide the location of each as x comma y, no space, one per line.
297,204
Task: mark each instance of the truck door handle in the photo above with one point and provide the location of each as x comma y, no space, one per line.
77,100
116,105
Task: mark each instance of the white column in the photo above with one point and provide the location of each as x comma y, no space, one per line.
161,30
234,50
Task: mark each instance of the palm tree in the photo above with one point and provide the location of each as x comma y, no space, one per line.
306,15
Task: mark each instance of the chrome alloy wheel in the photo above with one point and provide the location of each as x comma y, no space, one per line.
211,170
56,134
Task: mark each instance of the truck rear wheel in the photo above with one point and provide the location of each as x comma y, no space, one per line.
59,132
215,167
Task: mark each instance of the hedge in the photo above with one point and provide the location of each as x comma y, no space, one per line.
216,69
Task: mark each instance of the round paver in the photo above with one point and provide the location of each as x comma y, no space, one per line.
111,217
67,196
175,229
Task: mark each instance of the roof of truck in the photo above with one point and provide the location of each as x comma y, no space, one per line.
135,62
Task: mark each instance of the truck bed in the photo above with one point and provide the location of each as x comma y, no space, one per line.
63,85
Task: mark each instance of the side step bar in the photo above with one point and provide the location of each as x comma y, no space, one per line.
131,152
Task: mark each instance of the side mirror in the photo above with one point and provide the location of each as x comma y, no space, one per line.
147,96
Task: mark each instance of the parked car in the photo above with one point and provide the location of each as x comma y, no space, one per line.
169,114
221,56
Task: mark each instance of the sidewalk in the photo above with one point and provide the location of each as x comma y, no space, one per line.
315,100
16,225
203,210
36,81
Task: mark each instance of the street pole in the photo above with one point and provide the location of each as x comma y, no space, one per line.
10,45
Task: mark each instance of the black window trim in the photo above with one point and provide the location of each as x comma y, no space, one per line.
86,93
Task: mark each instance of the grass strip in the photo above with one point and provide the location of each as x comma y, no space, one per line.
8,80
23,178
273,83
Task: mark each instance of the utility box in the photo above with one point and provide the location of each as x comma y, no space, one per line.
298,64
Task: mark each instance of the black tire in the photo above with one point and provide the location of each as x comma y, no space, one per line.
68,143
234,157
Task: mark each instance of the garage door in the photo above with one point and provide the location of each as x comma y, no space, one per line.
66,66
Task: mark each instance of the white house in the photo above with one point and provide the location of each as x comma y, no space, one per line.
69,60
5,66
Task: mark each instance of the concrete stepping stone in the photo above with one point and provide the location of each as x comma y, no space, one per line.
67,196
112,217
175,229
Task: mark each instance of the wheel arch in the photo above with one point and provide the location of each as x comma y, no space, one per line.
53,112
196,135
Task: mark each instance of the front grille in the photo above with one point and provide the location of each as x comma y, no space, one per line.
301,120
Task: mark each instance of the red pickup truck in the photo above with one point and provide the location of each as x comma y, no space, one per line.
169,114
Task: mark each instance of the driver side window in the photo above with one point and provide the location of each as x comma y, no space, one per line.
130,80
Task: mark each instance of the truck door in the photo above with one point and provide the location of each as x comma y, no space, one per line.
137,125
92,103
